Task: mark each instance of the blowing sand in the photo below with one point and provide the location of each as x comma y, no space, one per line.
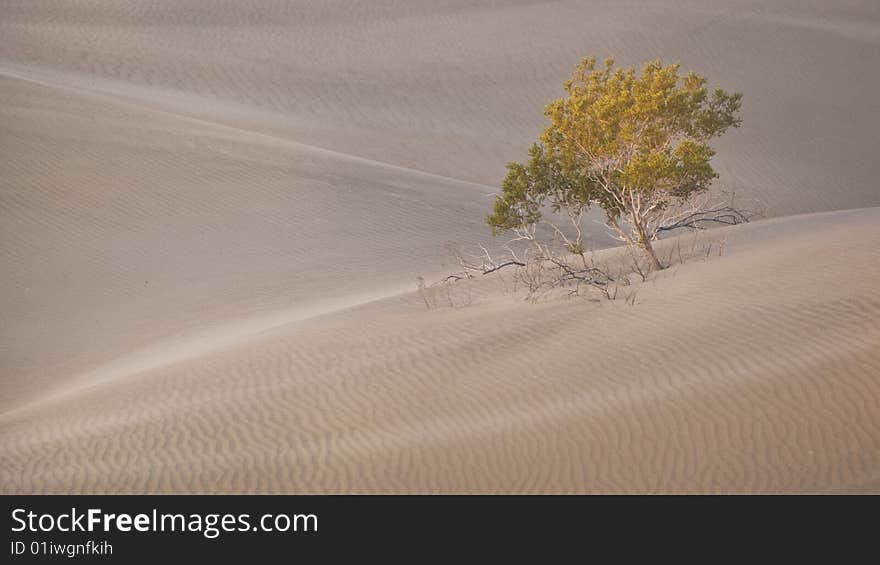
212,215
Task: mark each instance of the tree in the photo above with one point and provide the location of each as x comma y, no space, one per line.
635,145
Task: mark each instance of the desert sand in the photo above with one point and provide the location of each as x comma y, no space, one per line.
212,216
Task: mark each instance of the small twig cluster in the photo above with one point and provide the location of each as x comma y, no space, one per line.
444,294
537,266
542,264
700,215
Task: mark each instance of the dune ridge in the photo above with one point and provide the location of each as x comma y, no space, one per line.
403,82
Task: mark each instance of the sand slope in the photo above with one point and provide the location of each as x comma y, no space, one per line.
457,87
755,371
211,213
123,225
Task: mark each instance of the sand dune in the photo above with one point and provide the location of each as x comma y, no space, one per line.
117,216
456,87
755,371
212,215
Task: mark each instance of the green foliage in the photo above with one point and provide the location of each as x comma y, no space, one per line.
630,143
544,180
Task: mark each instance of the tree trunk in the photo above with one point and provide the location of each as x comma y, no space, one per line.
652,256
646,245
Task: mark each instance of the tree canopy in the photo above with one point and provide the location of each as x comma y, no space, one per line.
633,144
